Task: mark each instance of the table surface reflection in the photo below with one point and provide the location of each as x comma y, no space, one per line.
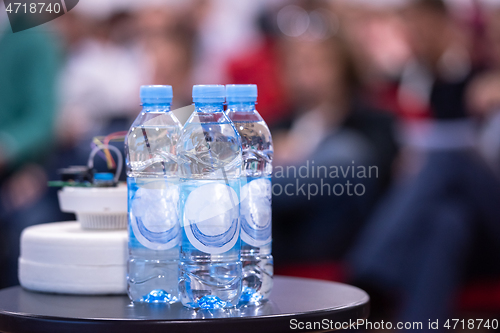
292,298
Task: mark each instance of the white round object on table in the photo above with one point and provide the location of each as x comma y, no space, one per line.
63,257
96,207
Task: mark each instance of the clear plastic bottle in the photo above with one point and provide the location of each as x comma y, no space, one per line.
256,185
153,197
209,154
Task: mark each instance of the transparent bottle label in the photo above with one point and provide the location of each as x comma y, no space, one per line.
153,212
211,216
256,213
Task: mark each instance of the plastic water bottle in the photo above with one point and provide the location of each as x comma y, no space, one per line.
257,145
153,197
209,154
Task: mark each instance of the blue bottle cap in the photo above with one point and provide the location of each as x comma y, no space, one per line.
241,93
104,176
156,94
213,93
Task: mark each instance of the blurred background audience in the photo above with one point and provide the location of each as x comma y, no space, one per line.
29,67
411,87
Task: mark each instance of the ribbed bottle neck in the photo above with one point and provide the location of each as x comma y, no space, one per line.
209,107
241,106
160,107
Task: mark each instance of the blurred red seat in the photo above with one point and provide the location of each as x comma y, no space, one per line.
477,296
480,296
332,271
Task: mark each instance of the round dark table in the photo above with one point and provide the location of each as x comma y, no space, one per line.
293,303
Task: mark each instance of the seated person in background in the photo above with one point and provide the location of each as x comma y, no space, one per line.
28,69
332,129
261,67
441,221
484,95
